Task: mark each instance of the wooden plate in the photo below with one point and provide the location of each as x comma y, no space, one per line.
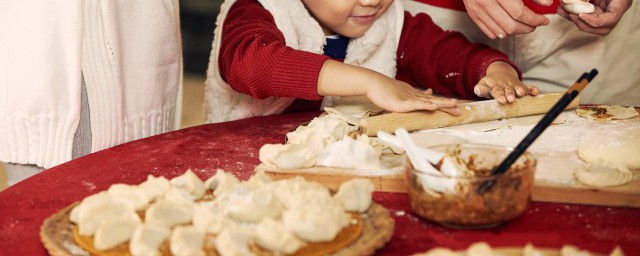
372,231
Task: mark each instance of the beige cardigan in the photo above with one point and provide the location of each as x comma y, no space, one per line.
128,52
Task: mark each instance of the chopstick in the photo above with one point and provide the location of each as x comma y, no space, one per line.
537,130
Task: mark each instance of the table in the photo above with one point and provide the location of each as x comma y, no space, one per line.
234,146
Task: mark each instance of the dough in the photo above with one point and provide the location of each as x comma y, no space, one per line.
356,106
246,205
297,192
234,241
287,156
352,120
146,240
129,194
603,175
615,147
155,187
186,241
355,195
316,139
113,232
578,6
605,112
222,182
316,222
351,154
333,125
209,217
92,215
271,235
190,183
168,214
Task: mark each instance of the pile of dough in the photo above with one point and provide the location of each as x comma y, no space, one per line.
287,156
280,216
351,154
606,112
324,142
610,154
578,6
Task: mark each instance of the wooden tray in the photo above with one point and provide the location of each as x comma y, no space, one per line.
560,192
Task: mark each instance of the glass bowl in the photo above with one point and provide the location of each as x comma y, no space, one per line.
458,201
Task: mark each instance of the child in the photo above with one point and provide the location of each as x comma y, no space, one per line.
273,56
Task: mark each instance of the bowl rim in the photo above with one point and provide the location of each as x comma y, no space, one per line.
529,155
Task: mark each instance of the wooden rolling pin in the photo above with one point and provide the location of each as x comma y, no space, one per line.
473,112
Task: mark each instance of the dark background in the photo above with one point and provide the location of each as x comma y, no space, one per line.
198,18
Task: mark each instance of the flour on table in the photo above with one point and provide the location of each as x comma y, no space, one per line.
431,139
556,148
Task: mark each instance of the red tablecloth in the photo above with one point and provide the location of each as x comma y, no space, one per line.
234,146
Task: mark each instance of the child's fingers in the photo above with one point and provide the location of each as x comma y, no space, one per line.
533,90
498,94
482,90
443,102
417,104
510,93
428,91
454,111
521,89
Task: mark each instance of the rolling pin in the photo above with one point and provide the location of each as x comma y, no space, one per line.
473,112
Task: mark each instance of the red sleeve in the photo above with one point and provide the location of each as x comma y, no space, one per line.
445,61
255,60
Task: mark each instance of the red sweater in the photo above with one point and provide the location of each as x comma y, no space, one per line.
255,60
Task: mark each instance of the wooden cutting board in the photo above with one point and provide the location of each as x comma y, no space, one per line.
626,196
562,191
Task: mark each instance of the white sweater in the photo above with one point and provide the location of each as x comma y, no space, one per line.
128,51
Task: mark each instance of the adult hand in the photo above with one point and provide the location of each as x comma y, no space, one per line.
606,16
499,18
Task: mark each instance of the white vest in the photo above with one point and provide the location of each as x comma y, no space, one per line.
376,50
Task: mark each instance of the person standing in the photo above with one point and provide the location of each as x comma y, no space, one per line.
80,76
552,46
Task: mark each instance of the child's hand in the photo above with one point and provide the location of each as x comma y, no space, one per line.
501,83
398,96
385,92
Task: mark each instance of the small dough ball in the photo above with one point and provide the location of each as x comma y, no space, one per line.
616,147
603,175
578,6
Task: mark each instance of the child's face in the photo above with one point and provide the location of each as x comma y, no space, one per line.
350,18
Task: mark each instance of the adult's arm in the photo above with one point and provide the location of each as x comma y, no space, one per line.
255,60
500,18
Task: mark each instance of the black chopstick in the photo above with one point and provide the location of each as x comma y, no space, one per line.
537,130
